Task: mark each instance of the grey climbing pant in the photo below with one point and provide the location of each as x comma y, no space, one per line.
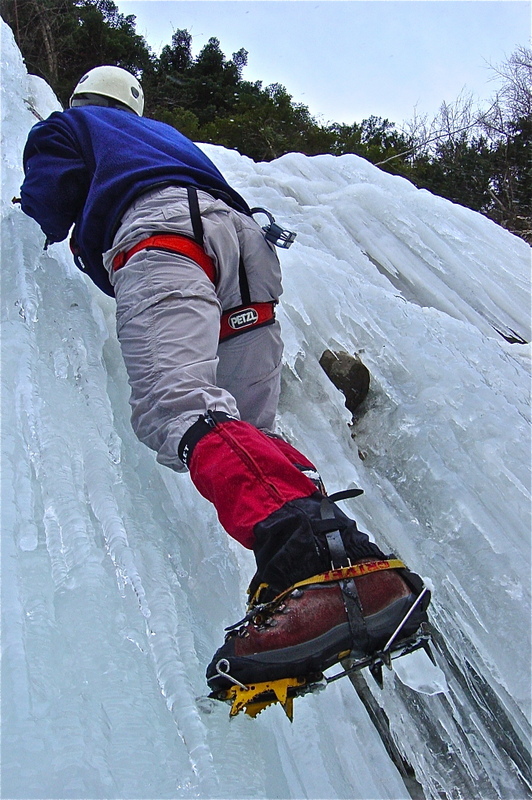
168,321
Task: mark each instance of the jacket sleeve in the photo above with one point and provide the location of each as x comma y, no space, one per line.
57,178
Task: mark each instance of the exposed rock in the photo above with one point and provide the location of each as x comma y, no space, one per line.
348,374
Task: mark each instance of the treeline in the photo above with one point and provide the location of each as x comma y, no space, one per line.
480,158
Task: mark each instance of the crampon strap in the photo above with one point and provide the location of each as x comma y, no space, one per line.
331,576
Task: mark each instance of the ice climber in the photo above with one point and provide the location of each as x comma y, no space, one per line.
196,284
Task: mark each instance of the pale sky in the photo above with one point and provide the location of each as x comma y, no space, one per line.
348,59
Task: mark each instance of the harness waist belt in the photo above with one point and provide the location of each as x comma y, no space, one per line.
233,322
172,243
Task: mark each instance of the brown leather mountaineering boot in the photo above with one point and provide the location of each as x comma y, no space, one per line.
322,592
350,611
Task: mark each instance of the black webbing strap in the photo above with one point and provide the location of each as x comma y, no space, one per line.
197,228
243,281
345,495
195,214
339,558
335,543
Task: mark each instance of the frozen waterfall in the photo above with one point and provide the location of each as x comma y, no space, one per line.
117,580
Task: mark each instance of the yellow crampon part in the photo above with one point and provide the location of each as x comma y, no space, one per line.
255,698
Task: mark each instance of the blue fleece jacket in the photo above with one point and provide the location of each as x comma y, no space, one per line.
86,165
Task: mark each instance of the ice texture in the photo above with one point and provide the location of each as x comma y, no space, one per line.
117,580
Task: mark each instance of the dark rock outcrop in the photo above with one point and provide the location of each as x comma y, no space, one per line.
348,374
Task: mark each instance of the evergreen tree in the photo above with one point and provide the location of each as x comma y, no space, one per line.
471,160
206,86
511,179
62,39
375,139
479,159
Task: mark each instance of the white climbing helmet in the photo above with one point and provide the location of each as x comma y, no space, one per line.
112,84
